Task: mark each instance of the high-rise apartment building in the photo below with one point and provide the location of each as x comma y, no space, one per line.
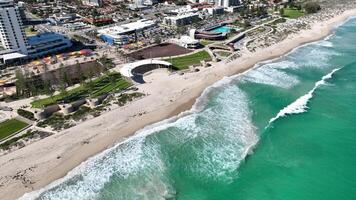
12,34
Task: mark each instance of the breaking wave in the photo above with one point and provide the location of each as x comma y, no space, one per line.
300,105
138,168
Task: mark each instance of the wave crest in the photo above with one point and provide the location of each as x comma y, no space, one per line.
300,105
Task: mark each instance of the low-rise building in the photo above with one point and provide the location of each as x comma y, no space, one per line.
47,43
215,10
119,34
97,3
182,19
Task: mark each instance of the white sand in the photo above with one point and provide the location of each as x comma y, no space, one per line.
40,163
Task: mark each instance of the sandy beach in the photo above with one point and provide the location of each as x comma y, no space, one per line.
47,160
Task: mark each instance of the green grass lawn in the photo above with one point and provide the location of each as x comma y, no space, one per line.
292,13
111,83
206,42
10,126
183,62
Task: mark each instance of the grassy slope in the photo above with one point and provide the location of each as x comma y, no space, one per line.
10,126
292,13
184,62
101,86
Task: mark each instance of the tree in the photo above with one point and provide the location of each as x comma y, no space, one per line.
281,12
246,24
158,40
311,7
48,89
79,73
20,82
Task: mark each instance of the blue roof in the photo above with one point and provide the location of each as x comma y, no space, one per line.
44,37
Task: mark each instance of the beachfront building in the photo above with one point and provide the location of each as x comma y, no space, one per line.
15,45
119,34
47,43
13,38
181,19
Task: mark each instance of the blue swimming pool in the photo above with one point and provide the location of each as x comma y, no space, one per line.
221,29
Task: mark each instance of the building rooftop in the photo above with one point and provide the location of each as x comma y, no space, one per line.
126,70
182,16
44,37
127,28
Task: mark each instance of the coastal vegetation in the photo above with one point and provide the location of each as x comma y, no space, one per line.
125,98
10,126
28,84
59,121
183,62
312,7
112,82
26,114
30,134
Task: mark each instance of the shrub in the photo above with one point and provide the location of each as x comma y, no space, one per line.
26,114
311,7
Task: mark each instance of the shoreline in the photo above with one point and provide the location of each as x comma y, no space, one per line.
79,143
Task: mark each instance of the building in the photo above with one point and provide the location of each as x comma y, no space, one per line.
188,42
47,43
215,10
96,3
234,9
13,37
119,34
15,45
227,3
22,9
181,19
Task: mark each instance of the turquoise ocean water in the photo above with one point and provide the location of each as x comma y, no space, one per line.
284,130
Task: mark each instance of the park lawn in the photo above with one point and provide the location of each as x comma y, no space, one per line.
183,62
10,126
206,42
103,85
292,13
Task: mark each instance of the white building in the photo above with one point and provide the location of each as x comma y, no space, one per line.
188,42
227,3
118,34
97,3
182,19
13,37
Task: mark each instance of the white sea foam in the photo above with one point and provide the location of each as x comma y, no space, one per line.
227,133
271,75
300,105
134,158
325,43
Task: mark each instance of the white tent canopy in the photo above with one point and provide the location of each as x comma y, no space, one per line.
127,68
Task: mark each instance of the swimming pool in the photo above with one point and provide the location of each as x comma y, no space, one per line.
221,29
